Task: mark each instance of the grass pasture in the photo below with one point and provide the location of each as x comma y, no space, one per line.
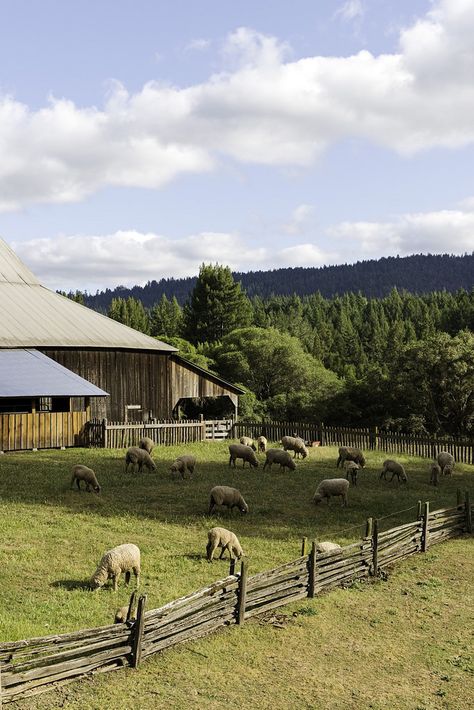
53,537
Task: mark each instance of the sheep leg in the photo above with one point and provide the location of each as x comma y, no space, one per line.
339,461
127,577
78,484
136,572
383,474
115,582
210,549
224,548
212,505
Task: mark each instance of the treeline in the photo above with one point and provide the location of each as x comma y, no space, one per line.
374,278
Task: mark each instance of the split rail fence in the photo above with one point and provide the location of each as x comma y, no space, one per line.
33,666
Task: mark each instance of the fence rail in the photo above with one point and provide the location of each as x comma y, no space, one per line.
36,665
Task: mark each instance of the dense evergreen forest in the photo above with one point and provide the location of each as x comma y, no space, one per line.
402,361
417,274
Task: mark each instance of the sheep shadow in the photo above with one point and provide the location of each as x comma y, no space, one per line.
71,585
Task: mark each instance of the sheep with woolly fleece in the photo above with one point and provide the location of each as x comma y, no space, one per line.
136,456
121,614
351,468
262,444
147,444
294,443
227,540
435,473
350,453
183,463
123,558
395,468
247,441
86,474
446,462
327,546
228,496
246,453
279,456
330,487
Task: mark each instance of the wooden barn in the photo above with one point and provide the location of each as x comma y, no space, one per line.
115,372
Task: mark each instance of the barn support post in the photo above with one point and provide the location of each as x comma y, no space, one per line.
138,629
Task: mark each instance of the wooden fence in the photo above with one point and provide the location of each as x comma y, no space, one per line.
36,665
42,430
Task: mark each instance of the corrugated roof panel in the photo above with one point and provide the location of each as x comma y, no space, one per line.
12,269
29,373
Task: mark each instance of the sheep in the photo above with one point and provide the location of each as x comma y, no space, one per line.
262,444
247,441
351,468
147,444
331,487
279,456
435,473
122,558
395,468
83,473
239,451
121,615
294,443
349,453
230,497
324,547
183,463
139,456
220,537
446,462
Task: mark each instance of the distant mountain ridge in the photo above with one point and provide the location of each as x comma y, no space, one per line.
419,273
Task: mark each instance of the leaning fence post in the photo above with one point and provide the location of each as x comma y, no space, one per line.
375,547
232,566
468,512
368,527
458,497
304,542
138,632
131,605
242,593
425,533
418,511
312,571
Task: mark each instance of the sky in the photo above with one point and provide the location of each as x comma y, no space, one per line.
141,138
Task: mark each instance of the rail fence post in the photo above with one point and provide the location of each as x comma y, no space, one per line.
458,497
368,527
138,632
375,547
104,433
426,532
418,511
232,566
322,435
242,593
304,542
312,571
467,502
131,605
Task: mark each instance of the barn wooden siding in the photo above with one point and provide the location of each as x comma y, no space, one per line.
42,430
155,381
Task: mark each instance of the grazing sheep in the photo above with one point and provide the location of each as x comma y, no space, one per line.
183,463
220,537
279,456
230,497
350,453
332,487
147,444
115,561
141,457
395,468
446,462
262,444
325,547
121,615
239,451
435,473
247,441
83,473
351,468
294,443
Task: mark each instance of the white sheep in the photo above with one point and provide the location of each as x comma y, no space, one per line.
183,463
147,444
86,474
139,456
228,496
446,462
325,547
332,487
247,441
121,615
435,473
239,451
262,444
123,558
279,456
294,443
352,468
350,453
220,537
395,468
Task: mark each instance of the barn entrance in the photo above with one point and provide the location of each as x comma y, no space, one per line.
209,407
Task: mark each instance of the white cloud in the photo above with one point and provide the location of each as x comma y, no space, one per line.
350,10
266,109
299,219
198,45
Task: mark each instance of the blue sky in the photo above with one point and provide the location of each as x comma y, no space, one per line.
139,139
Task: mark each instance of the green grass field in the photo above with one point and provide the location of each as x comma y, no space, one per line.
53,537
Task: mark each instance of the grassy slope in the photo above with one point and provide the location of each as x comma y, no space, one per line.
52,538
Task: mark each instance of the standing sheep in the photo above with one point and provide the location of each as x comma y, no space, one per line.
349,453
325,547
332,487
446,462
220,537
123,558
351,468
138,456
183,463
86,474
247,441
279,456
395,468
239,451
147,444
435,473
294,443
262,444
230,497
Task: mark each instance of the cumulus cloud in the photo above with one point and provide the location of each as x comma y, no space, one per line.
299,219
264,109
198,45
350,10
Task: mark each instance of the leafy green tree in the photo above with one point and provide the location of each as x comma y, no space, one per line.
195,354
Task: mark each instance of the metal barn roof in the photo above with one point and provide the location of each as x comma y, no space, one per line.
33,316
29,373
